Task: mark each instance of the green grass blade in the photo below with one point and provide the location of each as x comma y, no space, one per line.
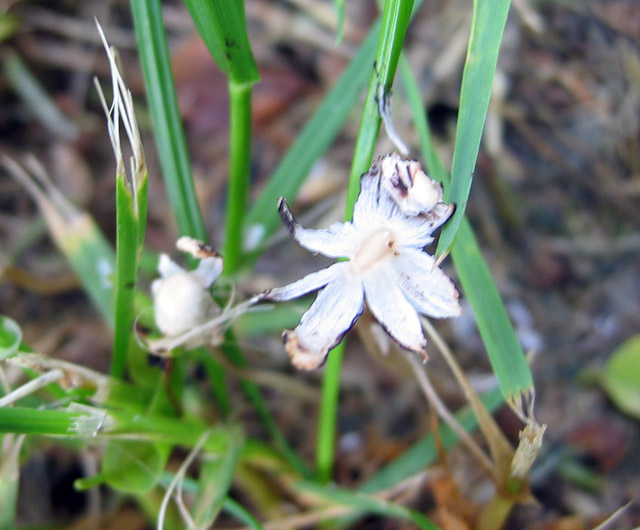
79,421
9,480
239,167
504,350
35,421
92,259
487,26
131,208
241,513
366,504
129,466
223,27
35,98
216,476
339,7
312,141
126,274
327,419
505,353
10,337
75,233
163,104
395,20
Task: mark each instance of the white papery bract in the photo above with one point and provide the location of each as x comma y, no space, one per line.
397,210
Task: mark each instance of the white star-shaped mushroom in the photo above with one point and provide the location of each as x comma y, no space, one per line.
397,210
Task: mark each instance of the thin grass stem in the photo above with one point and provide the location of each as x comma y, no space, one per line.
31,386
327,420
504,350
443,412
240,164
395,20
167,125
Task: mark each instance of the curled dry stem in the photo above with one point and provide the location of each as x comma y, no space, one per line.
325,513
73,374
445,414
499,446
32,386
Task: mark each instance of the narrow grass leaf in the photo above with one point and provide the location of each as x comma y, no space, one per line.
163,104
85,422
38,421
239,168
126,274
75,233
223,28
9,479
10,337
366,504
277,318
131,207
339,7
505,353
216,475
241,513
395,20
131,466
487,26
35,98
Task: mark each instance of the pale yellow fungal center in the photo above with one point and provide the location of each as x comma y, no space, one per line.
376,247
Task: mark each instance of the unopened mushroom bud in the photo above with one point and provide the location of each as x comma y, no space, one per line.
409,186
181,298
